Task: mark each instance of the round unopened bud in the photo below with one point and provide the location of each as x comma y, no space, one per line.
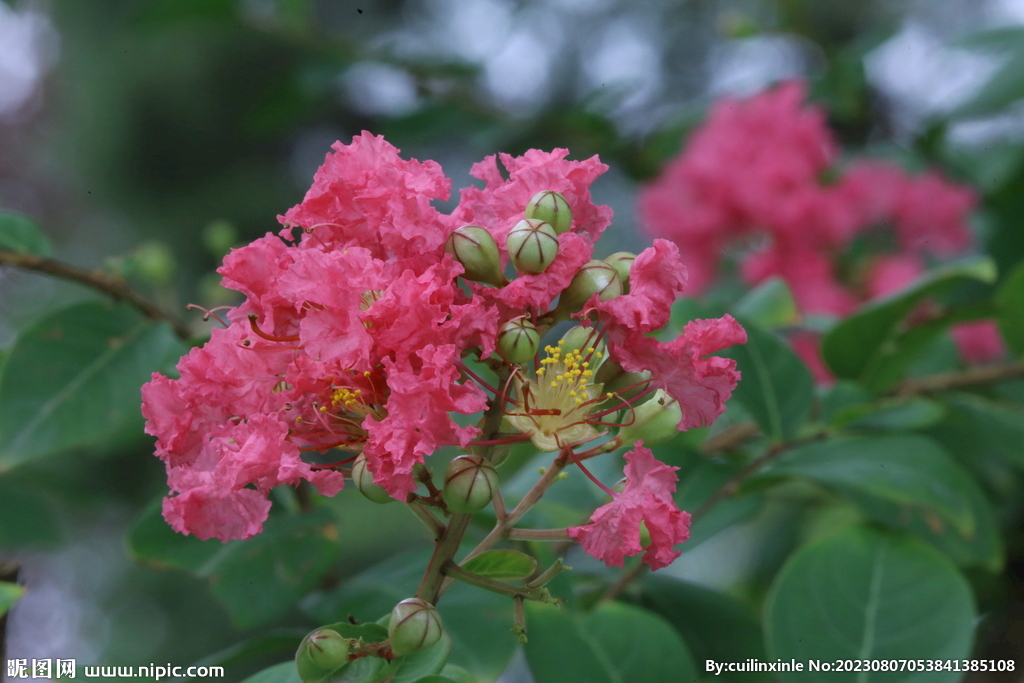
321,651
476,250
596,277
626,385
622,261
551,207
583,339
518,340
608,371
415,625
362,477
469,484
532,245
654,421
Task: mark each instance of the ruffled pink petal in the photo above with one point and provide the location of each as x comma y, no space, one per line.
614,529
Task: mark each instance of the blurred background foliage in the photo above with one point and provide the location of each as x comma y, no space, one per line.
147,137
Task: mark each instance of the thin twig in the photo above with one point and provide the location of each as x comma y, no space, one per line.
982,374
114,288
538,534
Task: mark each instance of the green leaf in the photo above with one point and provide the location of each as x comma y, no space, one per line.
776,387
872,345
1009,300
978,427
19,233
27,517
477,621
73,378
713,625
868,594
903,469
278,642
1004,88
426,663
700,478
256,580
615,643
9,594
981,547
770,305
285,672
1002,38
267,574
502,564
898,414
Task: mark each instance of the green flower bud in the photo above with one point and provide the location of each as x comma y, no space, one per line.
551,207
469,484
518,340
608,371
532,245
628,384
596,277
476,250
622,261
583,339
654,421
154,261
320,652
415,625
362,477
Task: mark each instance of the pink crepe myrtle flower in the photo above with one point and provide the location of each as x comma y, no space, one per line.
614,529
355,332
753,174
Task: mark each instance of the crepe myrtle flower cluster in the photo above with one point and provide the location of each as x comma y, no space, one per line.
765,171
365,316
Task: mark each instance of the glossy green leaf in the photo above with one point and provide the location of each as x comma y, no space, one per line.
979,427
429,662
19,233
872,345
713,625
73,378
257,580
436,678
614,643
770,305
502,564
1009,300
777,388
982,546
903,469
865,594
9,594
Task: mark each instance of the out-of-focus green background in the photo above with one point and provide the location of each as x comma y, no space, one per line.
147,137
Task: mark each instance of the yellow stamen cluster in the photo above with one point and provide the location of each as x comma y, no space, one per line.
346,398
575,373
554,408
